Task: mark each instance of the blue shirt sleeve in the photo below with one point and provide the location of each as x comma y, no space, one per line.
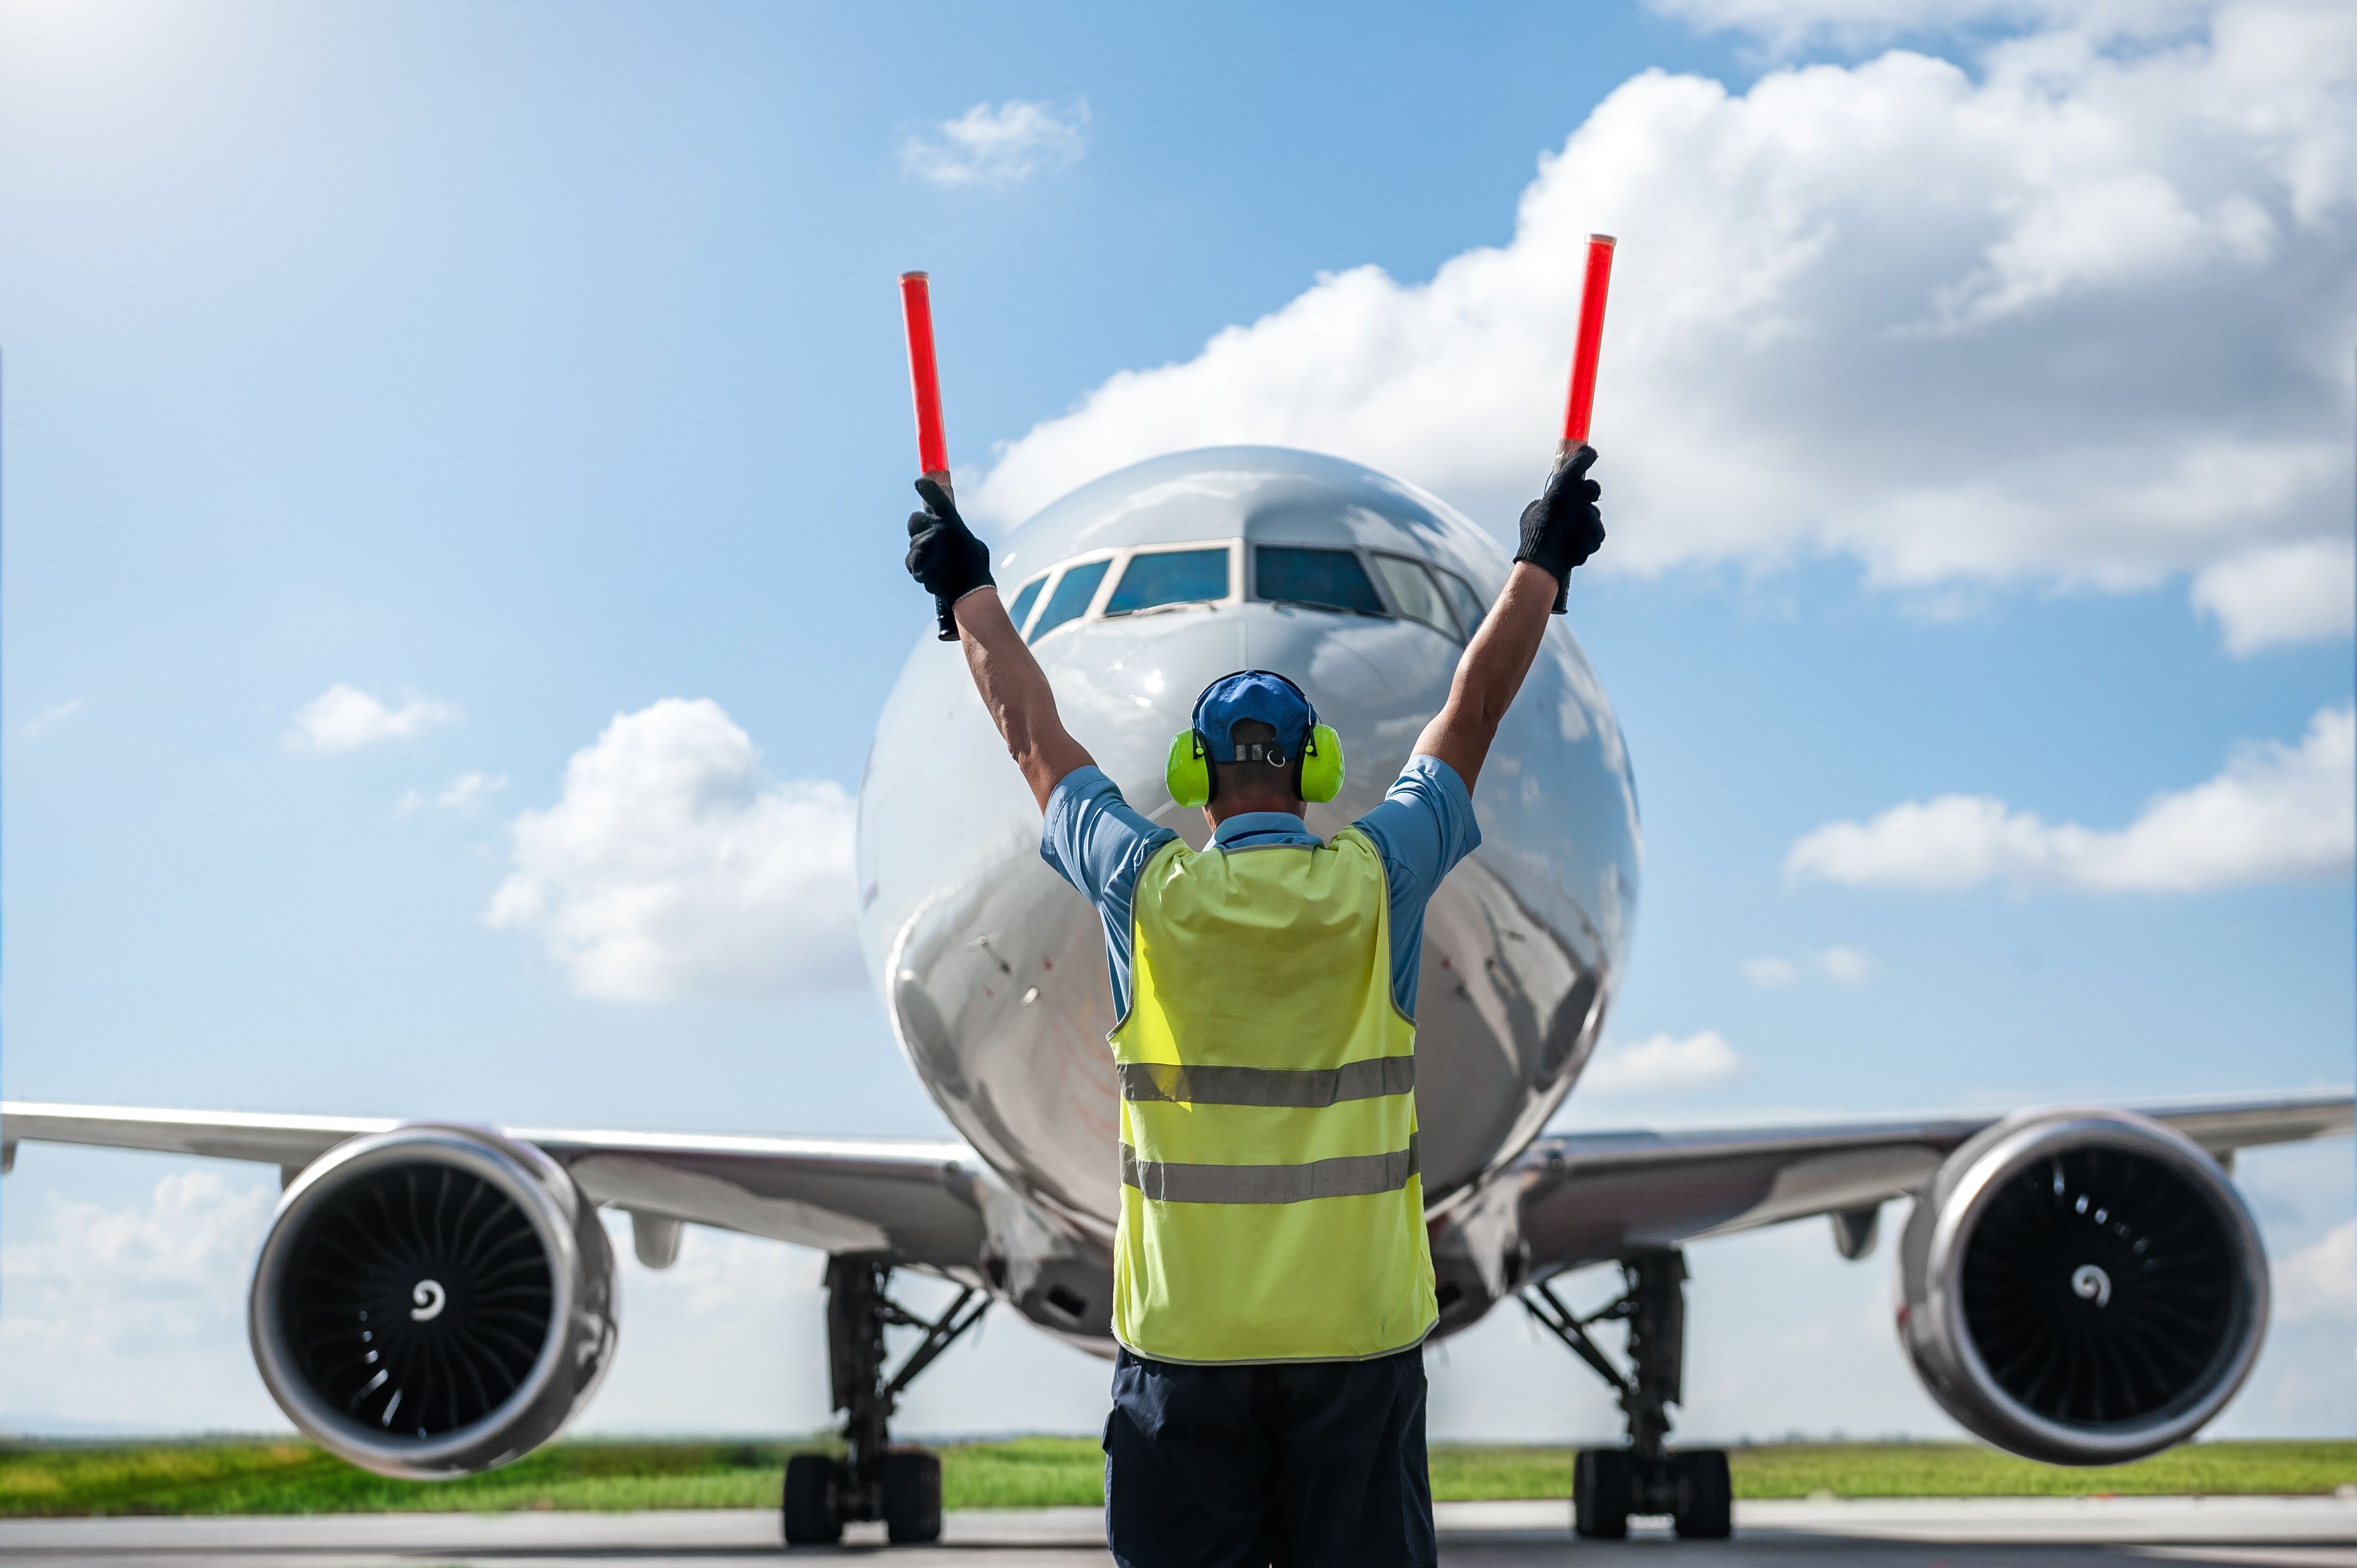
1424,827
1100,842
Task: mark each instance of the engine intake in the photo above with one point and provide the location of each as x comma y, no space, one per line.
2082,1287
432,1301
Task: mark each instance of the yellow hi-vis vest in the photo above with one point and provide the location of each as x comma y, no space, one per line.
1271,1208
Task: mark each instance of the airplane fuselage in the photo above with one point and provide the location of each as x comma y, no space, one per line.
992,968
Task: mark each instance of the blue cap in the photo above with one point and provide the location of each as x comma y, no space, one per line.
1254,694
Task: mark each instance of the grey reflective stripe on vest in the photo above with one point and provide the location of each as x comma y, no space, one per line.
1302,1089
1348,1175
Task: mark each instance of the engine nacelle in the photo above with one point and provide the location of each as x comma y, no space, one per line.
432,1301
2082,1287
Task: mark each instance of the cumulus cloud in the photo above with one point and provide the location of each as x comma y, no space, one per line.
1661,1062
2319,1280
2076,316
1770,972
344,716
2293,593
670,868
96,1278
132,1316
2275,813
463,794
48,718
998,146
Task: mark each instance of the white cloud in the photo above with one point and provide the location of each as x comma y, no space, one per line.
2276,813
2292,593
670,868
344,716
1770,973
50,717
999,145
2075,317
462,794
99,1279
132,1316
1661,1062
2319,1280
1845,966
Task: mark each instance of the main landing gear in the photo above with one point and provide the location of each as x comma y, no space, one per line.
901,1486
1610,1484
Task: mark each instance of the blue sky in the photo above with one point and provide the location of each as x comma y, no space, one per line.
1976,424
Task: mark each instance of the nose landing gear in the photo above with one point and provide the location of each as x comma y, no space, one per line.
874,1479
1609,1484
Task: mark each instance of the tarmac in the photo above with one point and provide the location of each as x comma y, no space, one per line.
2049,1532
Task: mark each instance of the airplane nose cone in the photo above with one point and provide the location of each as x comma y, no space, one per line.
1378,682
1164,671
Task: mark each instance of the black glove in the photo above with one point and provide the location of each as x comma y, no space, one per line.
1562,528
945,555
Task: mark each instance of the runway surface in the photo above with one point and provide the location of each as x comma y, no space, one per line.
2049,1532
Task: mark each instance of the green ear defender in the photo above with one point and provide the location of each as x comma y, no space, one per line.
1188,771
1321,766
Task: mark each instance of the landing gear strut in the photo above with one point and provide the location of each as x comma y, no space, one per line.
873,1480
1609,1484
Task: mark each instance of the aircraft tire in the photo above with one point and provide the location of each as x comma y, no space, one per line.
1601,1490
1705,1509
812,1517
912,1496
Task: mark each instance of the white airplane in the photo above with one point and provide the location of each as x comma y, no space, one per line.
2080,1285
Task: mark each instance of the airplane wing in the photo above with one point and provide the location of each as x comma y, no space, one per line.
1580,1197
920,1198
1585,1196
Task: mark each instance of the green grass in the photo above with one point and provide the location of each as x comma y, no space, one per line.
245,1478
1969,1470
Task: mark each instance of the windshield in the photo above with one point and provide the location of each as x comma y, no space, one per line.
1461,598
1413,591
1169,577
1327,579
1023,597
1071,600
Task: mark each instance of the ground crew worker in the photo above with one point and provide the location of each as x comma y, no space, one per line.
1273,1281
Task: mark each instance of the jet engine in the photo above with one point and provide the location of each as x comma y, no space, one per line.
432,1301
2081,1287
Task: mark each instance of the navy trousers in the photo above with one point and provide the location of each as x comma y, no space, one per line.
1305,1464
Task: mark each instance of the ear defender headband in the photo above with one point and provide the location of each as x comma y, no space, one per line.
1188,770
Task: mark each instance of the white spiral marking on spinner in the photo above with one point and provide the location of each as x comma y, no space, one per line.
431,1298
2091,1283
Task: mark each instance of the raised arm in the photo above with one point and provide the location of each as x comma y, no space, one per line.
1560,530
1015,691
952,565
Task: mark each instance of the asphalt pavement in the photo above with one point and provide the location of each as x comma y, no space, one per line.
2047,1532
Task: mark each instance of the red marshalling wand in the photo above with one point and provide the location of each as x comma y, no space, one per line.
925,382
1585,350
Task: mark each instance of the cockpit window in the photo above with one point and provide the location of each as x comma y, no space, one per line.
1071,600
1169,577
1414,591
1023,597
1326,579
1462,599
